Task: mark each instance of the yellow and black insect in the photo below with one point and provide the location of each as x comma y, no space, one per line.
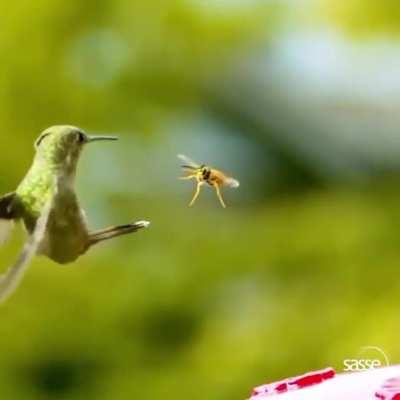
205,174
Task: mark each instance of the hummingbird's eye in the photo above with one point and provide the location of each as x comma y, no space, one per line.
81,137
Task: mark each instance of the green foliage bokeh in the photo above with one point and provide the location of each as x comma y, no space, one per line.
208,302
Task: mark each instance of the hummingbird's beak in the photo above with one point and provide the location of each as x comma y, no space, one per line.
96,138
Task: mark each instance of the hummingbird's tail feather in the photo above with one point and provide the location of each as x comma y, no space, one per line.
115,231
11,279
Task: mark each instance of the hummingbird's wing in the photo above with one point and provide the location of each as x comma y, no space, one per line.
10,280
5,229
187,162
7,215
7,206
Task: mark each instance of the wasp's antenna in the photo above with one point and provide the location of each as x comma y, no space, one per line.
188,167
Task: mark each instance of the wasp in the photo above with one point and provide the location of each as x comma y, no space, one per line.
206,174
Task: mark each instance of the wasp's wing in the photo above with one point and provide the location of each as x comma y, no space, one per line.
231,182
10,280
187,162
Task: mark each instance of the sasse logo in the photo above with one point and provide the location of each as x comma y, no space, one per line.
377,358
360,365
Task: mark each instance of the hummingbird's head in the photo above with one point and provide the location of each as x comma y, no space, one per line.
61,145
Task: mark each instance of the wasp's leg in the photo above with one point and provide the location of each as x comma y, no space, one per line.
196,194
218,191
115,231
191,176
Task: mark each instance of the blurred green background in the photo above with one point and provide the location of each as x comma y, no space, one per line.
299,100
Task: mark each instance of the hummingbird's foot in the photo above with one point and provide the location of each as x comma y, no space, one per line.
115,231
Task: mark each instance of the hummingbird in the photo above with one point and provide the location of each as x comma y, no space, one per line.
47,204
